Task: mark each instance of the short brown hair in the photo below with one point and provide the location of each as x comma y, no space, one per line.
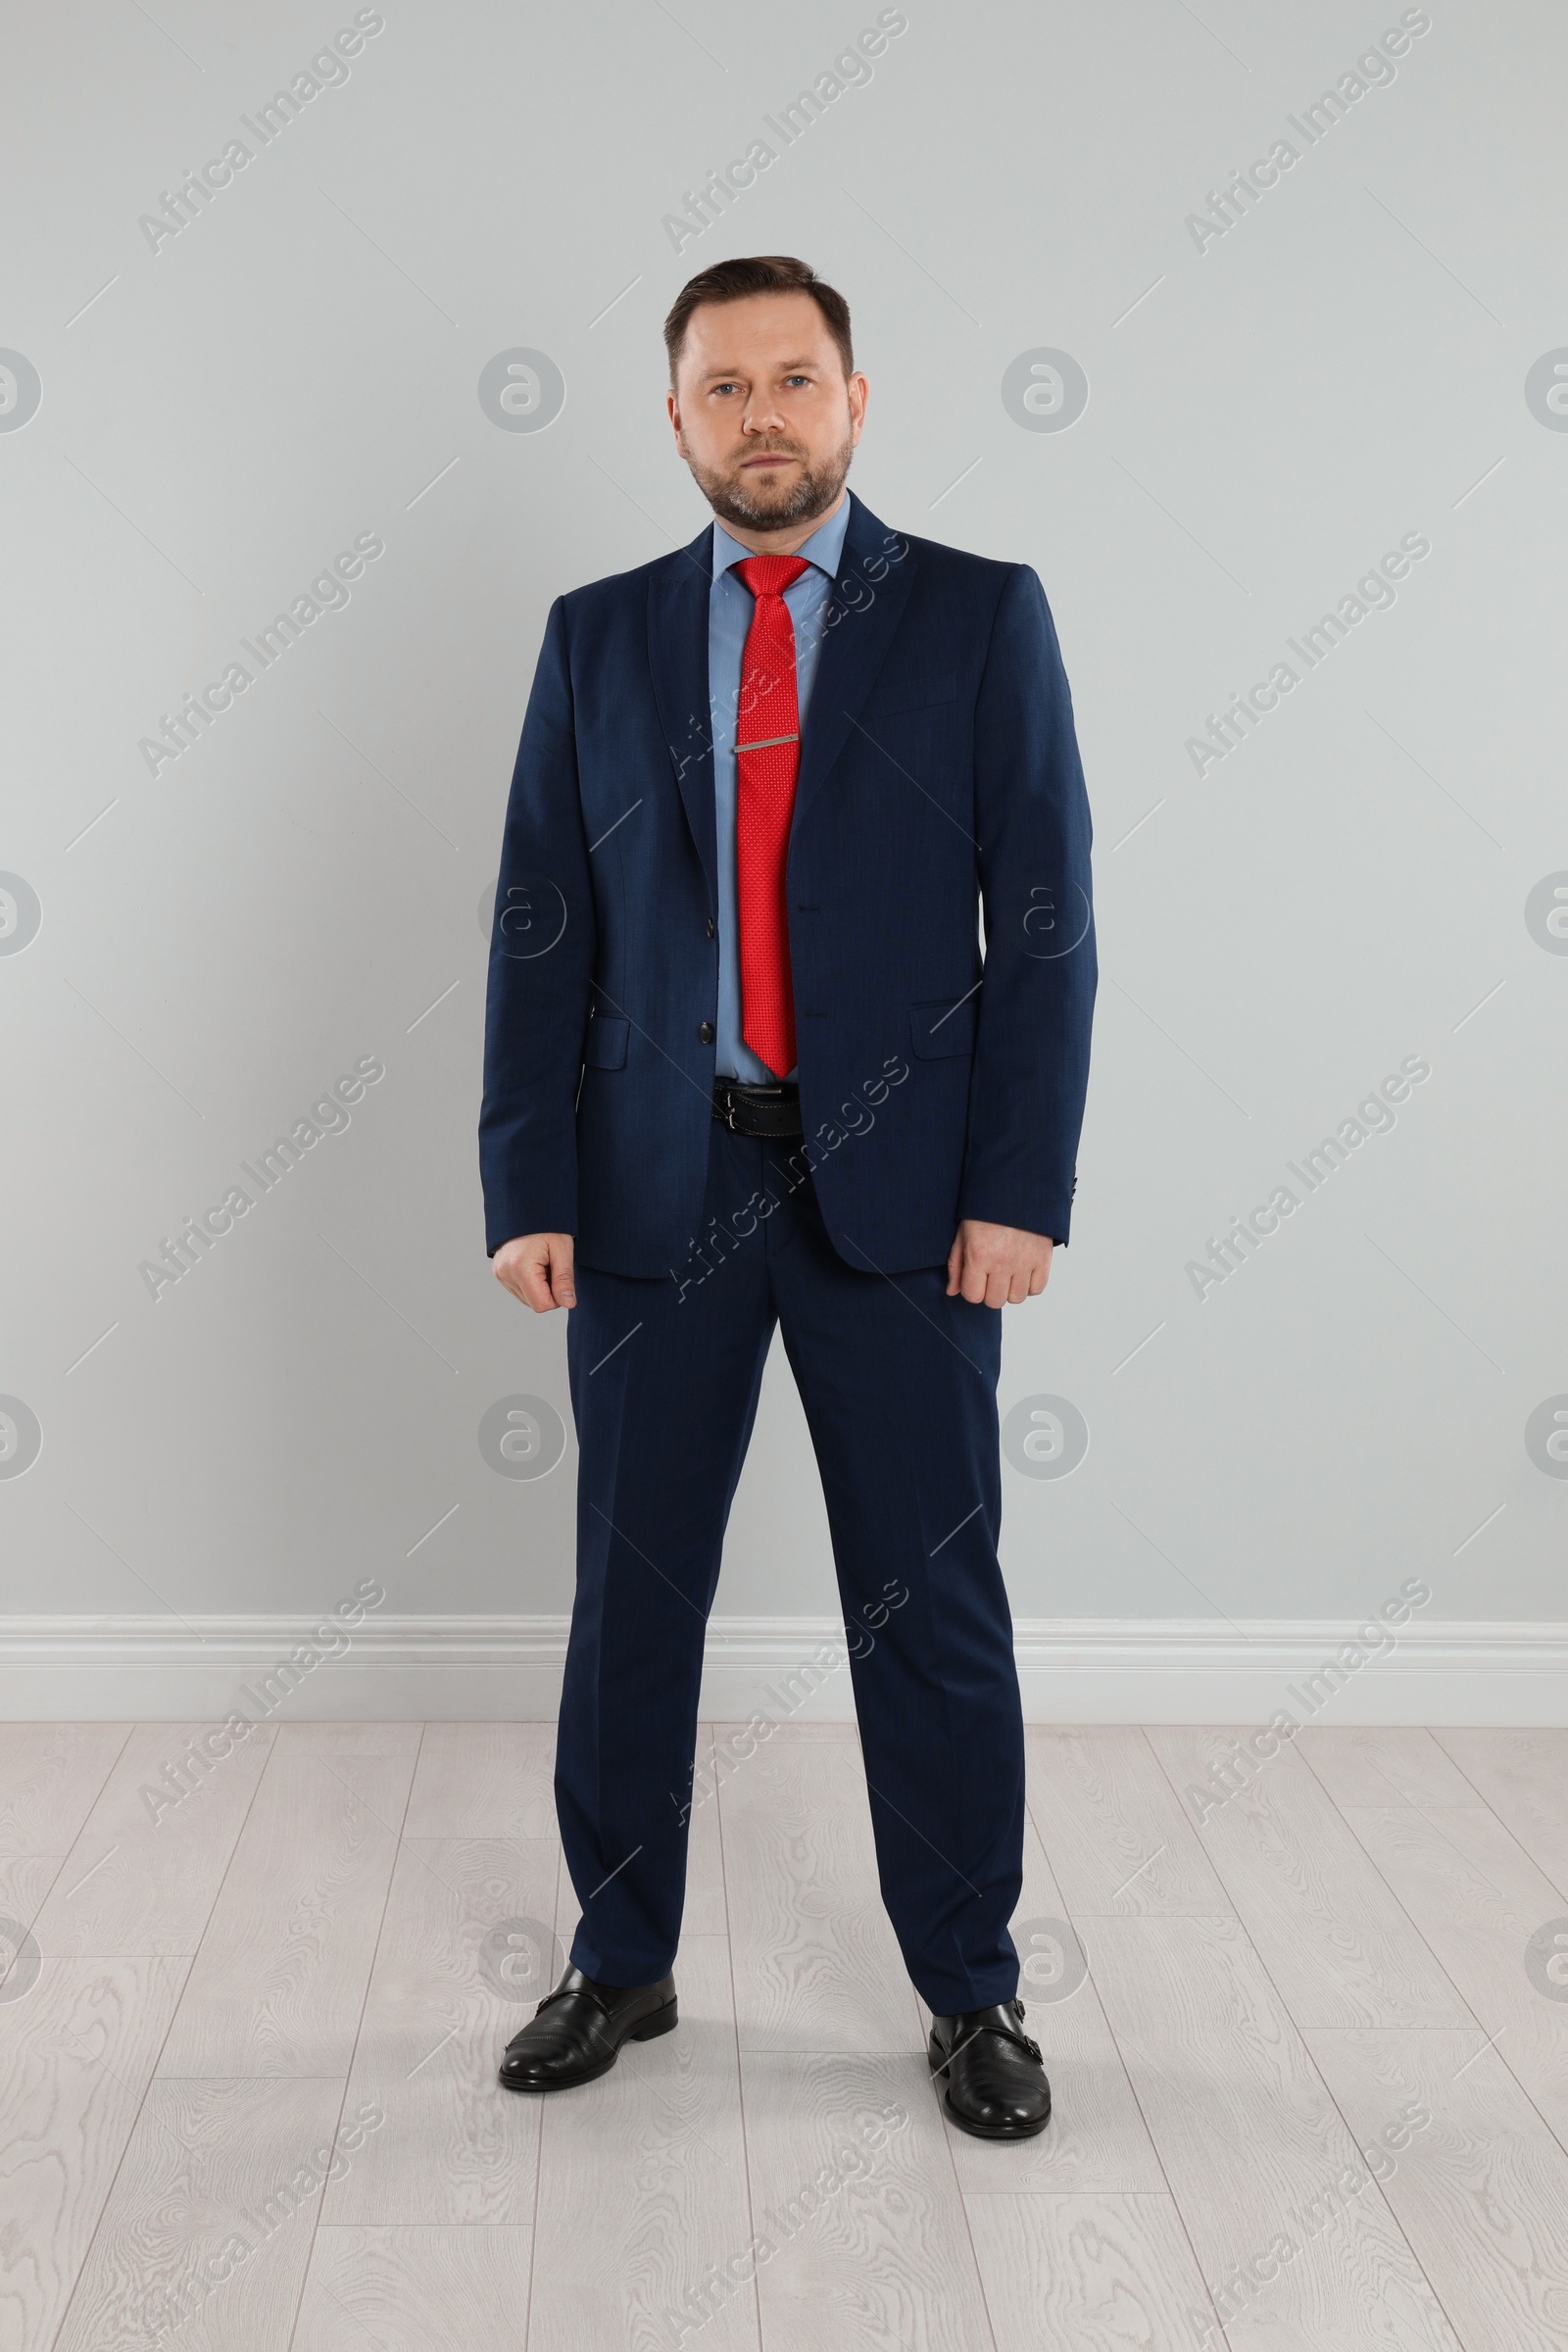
758,273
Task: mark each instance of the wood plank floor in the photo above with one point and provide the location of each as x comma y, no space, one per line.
1308,2041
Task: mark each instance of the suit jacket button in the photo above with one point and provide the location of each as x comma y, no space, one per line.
711,926
707,1033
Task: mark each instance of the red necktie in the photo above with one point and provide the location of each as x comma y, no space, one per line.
767,759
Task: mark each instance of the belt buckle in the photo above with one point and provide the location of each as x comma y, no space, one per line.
729,1110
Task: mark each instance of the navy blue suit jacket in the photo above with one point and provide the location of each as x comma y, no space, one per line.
939,771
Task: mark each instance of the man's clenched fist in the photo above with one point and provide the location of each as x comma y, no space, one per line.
997,1266
536,1268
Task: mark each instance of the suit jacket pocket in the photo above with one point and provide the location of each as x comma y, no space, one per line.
606,1045
914,694
942,1027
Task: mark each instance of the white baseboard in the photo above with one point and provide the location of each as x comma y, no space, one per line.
1072,1670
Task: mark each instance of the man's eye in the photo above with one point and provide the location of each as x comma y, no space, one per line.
796,379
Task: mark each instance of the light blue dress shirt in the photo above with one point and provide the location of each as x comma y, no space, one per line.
730,605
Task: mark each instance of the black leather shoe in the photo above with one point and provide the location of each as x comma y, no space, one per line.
576,2031
997,2086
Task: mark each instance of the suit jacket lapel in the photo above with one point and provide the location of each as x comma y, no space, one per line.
678,654
870,593
868,597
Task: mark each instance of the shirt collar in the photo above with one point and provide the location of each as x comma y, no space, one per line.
823,548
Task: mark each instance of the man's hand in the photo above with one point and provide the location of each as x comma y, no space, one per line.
996,1265
536,1268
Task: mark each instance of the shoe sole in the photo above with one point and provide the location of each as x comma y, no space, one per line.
937,2059
662,2021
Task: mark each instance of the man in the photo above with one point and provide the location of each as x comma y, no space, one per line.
744,1065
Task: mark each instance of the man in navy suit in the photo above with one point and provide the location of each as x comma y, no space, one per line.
746,1064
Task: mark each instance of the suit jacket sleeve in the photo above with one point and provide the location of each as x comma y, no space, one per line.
1031,1064
541,971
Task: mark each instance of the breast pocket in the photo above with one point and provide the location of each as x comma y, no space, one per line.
925,693
941,1028
606,1045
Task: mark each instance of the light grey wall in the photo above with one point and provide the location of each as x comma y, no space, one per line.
1366,877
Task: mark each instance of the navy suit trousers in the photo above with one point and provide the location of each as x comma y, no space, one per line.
899,1386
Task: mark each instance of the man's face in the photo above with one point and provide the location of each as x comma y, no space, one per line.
762,412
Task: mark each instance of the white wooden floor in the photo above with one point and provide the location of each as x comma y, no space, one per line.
302,1968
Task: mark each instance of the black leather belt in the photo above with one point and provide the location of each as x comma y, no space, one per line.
766,1110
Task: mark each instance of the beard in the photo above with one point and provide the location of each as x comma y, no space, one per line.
768,505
